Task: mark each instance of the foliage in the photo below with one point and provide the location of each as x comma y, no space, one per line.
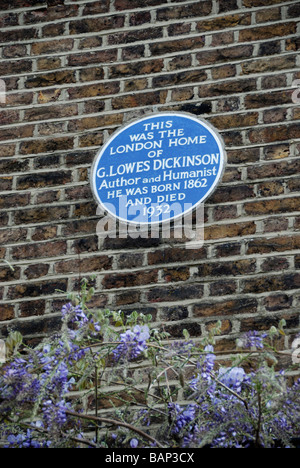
109,381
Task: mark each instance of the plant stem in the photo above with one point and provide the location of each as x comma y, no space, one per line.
114,422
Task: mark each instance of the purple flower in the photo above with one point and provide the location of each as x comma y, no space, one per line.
233,378
253,339
134,443
181,417
74,314
133,343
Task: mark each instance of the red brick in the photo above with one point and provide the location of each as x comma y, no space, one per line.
93,264
175,255
135,36
42,250
271,283
226,308
132,4
202,8
178,293
277,302
224,22
116,281
103,23
229,230
267,32
32,308
7,312
52,47
275,244
232,268
282,205
46,146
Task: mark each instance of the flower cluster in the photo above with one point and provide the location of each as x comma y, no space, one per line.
132,343
181,417
253,339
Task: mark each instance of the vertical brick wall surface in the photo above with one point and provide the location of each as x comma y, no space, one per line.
75,71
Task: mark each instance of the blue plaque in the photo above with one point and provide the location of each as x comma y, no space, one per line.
158,168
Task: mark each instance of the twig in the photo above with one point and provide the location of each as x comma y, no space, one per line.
114,422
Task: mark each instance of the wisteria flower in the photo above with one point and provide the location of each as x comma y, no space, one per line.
133,343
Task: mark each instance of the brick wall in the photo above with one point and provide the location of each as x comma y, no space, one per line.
75,71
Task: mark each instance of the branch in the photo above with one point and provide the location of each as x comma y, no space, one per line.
115,423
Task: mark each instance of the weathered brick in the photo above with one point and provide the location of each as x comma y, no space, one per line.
275,244
224,88
46,146
7,312
270,189
85,75
14,133
18,35
125,280
9,274
277,151
228,249
223,288
273,98
276,224
268,65
185,11
41,215
135,36
194,76
193,328
229,230
136,100
277,302
132,4
11,200
5,183
42,250
224,22
52,47
174,46
51,79
179,29
174,313
175,294
32,308
51,112
136,68
267,322
55,10
172,275
228,54
272,134
175,255
101,89
41,288
275,264
43,180
233,268
14,67
127,298
103,23
267,32
271,283
283,205
226,308
97,263
36,271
